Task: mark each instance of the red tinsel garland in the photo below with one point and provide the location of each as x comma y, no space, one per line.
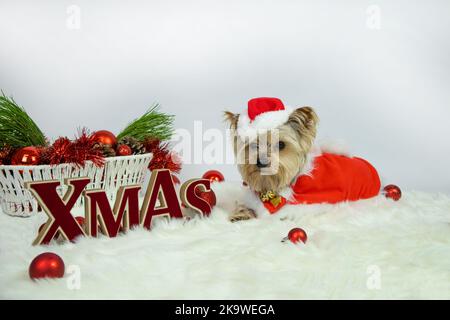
78,151
57,152
162,158
82,150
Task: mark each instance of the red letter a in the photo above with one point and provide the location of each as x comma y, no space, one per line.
160,187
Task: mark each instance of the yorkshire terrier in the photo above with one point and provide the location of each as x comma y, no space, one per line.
279,162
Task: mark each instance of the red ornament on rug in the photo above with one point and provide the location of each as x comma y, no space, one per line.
46,265
393,192
213,176
296,235
105,137
208,196
123,150
27,156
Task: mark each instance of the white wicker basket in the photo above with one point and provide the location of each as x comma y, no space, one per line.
15,200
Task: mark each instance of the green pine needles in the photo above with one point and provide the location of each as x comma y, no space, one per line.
17,129
152,124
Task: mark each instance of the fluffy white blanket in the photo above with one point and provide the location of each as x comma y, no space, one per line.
375,249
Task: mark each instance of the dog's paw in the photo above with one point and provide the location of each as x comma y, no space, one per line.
242,213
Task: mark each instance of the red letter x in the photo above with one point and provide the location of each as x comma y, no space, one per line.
57,209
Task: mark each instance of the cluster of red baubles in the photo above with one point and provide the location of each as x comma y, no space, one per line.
108,138
86,148
64,150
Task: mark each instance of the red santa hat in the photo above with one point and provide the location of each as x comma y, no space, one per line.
263,114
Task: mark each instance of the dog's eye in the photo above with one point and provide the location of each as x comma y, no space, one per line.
281,145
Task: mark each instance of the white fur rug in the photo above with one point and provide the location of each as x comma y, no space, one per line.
375,249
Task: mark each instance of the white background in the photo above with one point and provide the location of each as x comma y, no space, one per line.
384,91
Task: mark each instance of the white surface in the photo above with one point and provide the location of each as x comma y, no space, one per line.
402,246
384,91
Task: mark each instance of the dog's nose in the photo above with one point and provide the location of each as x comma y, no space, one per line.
262,163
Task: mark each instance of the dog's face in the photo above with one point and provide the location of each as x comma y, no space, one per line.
270,161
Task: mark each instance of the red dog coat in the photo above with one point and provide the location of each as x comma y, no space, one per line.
335,178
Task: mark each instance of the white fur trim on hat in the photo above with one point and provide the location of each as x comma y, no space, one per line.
264,122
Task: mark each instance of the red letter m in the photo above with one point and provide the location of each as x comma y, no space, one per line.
98,212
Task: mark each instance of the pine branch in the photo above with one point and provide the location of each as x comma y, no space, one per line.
152,124
17,129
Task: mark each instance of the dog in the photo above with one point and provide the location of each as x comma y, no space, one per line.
279,162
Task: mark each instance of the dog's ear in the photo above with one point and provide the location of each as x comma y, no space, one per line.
304,120
232,119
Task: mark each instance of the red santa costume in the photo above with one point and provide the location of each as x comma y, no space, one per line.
331,178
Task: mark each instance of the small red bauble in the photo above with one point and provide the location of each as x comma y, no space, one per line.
208,196
296,235
27,156
175,179
80,221
105,137
213,176
124,150
46,265
393,192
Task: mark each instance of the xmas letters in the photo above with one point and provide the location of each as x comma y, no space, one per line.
125,213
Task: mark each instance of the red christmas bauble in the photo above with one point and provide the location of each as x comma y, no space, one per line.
213,176
105,137
27,156
46,265
175,179
80,220
393,192
123,150
296,235
208,196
